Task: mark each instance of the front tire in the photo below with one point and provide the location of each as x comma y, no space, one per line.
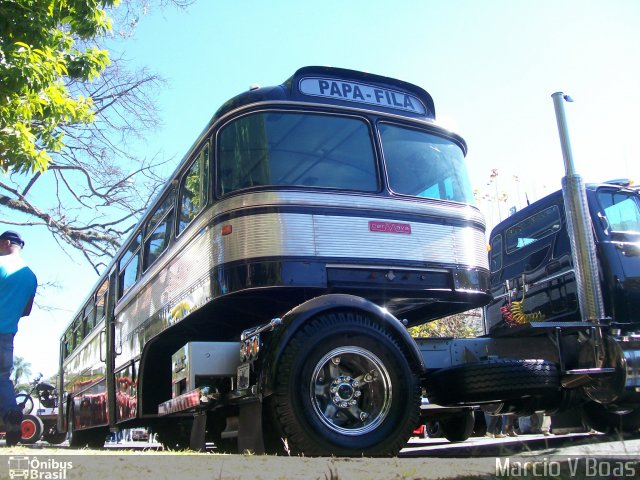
344,387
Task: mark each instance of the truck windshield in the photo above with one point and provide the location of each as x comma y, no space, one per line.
296,149
424,165
622,210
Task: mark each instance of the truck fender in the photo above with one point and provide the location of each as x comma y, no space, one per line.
296,318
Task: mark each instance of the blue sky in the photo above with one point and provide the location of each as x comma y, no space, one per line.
491,67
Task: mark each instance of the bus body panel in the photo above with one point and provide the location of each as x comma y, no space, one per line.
407,239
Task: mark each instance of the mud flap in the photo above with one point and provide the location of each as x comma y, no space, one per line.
198,430
250,435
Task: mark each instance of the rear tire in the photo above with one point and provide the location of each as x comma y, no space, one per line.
31,429
492,380
457,428
344,387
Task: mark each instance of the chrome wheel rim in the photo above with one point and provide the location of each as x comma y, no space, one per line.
350,390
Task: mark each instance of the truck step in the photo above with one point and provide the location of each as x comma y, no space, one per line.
591,371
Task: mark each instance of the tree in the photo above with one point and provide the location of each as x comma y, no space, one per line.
460,325
21,368
68,156
38,51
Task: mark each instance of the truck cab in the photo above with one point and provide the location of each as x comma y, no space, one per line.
532,273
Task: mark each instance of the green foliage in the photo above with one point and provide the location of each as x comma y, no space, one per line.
39,55
21,368
460,325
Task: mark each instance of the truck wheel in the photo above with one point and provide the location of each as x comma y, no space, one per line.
457,428
602,419
31,429
344,387
492,380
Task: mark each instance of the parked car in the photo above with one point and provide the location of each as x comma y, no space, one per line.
139,434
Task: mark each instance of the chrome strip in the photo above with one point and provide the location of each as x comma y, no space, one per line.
386,267
369,204
552,277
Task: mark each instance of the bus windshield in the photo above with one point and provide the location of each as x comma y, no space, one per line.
622,210
424,165
329,151
296,149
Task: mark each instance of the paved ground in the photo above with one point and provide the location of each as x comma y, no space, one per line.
478,457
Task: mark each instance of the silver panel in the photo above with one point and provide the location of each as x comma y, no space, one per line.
347,237
367,203
180,281
266,235
203,359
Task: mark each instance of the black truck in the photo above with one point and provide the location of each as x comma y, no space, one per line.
577,246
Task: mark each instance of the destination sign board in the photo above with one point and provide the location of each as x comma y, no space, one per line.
361,93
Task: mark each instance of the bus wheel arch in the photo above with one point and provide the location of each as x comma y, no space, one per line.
301,315
344,385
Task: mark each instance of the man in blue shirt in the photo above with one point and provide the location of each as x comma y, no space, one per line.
17,289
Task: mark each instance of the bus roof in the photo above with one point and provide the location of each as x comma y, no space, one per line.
341,87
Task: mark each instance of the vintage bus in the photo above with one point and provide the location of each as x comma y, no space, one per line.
265,295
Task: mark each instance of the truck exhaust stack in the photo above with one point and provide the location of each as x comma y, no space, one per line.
580,230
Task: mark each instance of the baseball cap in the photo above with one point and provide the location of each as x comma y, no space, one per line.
13,237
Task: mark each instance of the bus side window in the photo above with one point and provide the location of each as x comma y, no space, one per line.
158,231
89,316
128,271
78,331
68,342
193,190
101,300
